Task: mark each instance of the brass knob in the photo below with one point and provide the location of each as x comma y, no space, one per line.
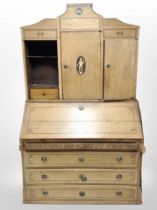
44,158
44,176
120,33
81,108
45,193
118,193
65,66
82,193
119,159
108,66
40,34
119,176
81,159
83,177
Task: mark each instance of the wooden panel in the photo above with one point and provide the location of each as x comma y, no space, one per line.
120,69
39,34
118,33
84,176
83,194
79,23
82,159
82,120
43,94
89,84
79,17
47,146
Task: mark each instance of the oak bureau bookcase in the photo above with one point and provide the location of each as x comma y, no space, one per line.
81,137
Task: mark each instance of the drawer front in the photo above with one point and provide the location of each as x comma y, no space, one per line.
81,159
40,34
120,33
43,94
72,193
84,176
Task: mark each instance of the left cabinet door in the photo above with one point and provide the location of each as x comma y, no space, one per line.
81,65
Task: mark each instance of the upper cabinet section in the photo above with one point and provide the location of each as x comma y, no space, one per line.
81,53
80,56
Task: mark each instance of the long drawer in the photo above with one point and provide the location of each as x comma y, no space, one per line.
82,176
82,159
82,194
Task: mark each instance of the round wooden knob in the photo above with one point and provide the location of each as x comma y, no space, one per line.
44,159
118,193
81,159
44,176
119,159
45,193
83,177
82,193
119,176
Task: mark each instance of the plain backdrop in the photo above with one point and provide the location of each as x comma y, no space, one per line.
14,14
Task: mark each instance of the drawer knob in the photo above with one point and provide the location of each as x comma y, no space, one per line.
65,66
44,176
44,94
108,66
81,108
118,193
119,176
81,159
119,159
40,34
120,33
83,177
45,193
44,159
82,193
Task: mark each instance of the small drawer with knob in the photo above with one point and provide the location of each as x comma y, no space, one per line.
44,94
93,194
82,176
82,159
39,34
120,33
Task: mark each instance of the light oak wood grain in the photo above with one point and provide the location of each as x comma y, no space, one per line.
92,194
82,159
44,94
82,176
120,69
96,120
87,85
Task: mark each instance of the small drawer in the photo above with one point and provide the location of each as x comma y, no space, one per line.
43,94
82,159
81,176
83,193
39,34
120,33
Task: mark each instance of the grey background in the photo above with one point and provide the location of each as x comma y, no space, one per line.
14,14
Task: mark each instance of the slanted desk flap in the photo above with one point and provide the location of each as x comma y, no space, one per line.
112,120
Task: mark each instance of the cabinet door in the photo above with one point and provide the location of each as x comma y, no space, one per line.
120,68
81,65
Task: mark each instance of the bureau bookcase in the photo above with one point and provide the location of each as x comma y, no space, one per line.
81,137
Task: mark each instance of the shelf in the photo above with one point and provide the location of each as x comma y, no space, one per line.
39,56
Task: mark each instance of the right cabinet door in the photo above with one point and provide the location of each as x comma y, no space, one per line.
120,68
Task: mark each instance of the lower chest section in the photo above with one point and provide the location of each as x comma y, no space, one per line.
77,173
